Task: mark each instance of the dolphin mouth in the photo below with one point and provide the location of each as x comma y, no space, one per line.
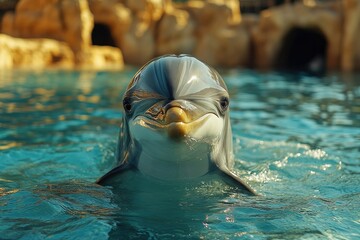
175,128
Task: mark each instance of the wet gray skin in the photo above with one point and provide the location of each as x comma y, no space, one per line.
176,123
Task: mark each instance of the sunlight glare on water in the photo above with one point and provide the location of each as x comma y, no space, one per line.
296,140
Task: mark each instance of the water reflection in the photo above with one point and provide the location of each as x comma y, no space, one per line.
305,108
53,102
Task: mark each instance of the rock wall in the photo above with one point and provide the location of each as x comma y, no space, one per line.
212,30
112,14
34,53
219,35
276,22
175,33
351,36
65,20
68,23
138,43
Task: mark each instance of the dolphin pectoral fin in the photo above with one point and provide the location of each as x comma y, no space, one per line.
235,178
117,170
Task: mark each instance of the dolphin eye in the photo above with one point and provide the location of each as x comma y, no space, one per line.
224,103
127,104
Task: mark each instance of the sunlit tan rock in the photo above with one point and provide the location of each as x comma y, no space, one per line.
212,30
275,23
148,10
112,14
64,20
103,57
221,40
34,53
78,22
228,47
214,12
351,36
138,43
175,33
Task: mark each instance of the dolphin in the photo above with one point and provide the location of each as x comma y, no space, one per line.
176,123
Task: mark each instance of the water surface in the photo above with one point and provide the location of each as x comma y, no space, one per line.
296,141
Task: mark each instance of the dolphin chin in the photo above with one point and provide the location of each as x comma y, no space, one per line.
176,123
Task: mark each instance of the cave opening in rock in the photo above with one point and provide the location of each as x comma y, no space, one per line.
302,49
101,35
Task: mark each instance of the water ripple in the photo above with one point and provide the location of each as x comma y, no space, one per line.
296,141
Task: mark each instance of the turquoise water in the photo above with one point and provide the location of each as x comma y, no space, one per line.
297,141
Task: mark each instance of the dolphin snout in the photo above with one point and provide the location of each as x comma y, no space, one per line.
176,114
176,119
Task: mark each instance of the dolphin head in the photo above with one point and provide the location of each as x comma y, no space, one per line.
176,120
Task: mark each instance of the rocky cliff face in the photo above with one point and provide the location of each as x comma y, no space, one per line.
69,21
108,32
351,36
53,33
34,53
271,35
